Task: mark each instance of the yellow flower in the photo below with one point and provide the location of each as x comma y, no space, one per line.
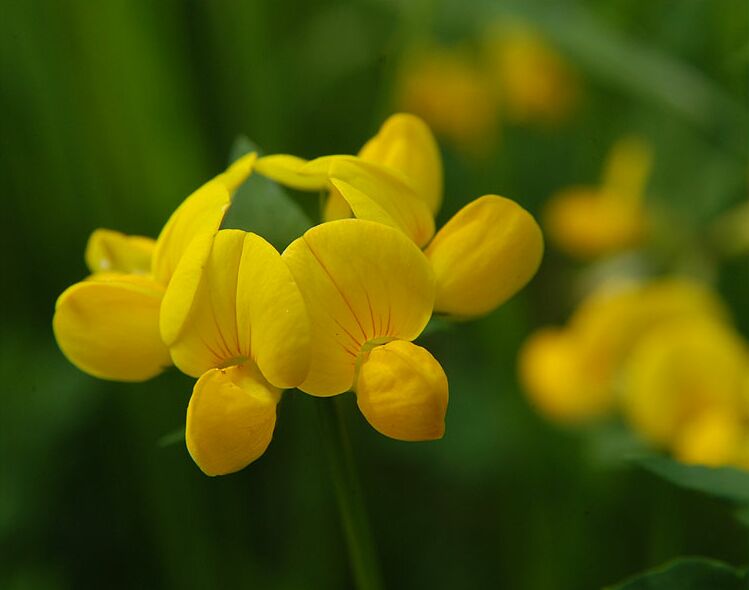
588,222
404,145
237,321
533,81
571,373
713,438
108,324
453,94
560,379
684,389
481,257
369,292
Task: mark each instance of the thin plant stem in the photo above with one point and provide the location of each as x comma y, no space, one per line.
349,495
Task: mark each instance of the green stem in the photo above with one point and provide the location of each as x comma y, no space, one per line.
349,495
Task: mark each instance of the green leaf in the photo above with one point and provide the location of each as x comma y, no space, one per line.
689,573
263,206
724,482
242,145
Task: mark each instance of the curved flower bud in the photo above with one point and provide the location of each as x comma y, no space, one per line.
230,419
402,391
107,326
361,282
487,252
111,251
405,143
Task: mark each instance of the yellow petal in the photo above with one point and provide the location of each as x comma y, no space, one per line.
405,143
208,337
361,281
109,327
235,175
336,206
271,315
239,302
559,381
180,294
112,251
199,215
484,255
376,194
292,172
402,392
230,419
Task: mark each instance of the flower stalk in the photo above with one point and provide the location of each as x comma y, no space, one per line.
349,495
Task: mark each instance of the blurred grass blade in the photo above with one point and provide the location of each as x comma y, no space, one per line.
643,71
724,482
694,573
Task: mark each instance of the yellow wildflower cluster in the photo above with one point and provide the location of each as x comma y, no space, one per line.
462,94
663,354
338,310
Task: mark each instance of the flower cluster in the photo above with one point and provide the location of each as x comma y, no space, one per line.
338,310
664,354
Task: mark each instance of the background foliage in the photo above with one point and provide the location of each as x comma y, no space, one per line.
114,111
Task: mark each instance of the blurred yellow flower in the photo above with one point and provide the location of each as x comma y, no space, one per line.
684,387
533,81
369,292
712,438
571,373
561,380
662,353
588,222
236,320
481,257
453,94
108,324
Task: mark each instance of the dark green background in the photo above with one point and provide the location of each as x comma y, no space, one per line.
111,112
